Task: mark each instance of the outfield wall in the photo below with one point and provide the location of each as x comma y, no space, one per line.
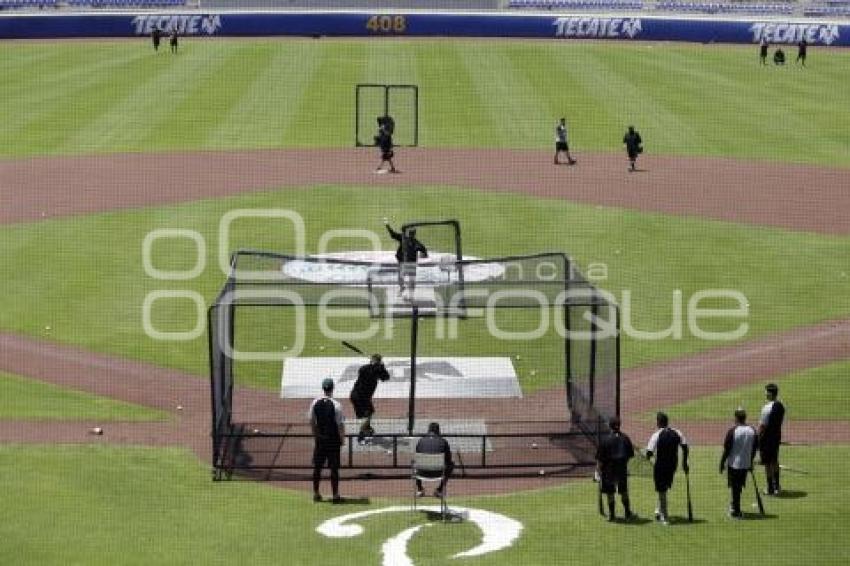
425,24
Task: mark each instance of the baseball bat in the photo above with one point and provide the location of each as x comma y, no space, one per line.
688,491
758,495
785,468
353,348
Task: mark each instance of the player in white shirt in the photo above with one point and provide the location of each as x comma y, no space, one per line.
664,444
739,448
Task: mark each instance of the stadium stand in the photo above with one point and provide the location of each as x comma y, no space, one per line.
125,3
605,5
830,8
725,7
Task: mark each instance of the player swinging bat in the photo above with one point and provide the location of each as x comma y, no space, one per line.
364,389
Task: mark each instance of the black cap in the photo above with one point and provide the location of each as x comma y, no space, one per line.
772,388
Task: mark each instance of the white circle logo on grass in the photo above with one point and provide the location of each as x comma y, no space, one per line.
381,267
497,531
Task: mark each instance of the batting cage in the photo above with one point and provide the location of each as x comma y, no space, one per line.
517,358
399,102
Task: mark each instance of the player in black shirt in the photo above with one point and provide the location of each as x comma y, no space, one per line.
612,460
779,57
384,140
361,394
801,52
174,36
433,443
763,52
328,426
634,148
156,37
770,436
664,445
408,253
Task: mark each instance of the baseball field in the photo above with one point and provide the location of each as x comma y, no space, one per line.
744,188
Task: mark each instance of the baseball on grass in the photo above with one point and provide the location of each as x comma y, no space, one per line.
48,327
385,220
321,348
533,372
517,357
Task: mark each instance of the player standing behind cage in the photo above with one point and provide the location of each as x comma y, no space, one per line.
364,389
384,140
739,447
408,253
664,446
612,462
770,436
327,423
174,35
634,146
561,144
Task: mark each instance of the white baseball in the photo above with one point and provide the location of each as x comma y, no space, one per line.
534,446
179,407
542,472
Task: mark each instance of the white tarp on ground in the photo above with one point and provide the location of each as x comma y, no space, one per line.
435,377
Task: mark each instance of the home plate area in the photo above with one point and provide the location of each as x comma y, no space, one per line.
467,435
436,378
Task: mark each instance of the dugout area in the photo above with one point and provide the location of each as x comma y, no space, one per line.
517,358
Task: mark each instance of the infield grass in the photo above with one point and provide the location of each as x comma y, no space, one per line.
29,399
84,277
116,96
123,505
818,393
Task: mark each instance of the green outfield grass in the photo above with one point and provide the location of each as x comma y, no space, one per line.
107,505
102,96
819,393
28,399
84,277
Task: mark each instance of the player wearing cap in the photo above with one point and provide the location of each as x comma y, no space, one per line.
328,425
664,445
770,436
612,460
408,253
739,447
364,389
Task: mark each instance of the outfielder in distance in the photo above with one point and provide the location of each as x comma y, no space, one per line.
384,140
561,145
364,389
634,146
408,253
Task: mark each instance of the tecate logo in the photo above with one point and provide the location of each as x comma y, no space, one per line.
779,32
597,27
185,24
